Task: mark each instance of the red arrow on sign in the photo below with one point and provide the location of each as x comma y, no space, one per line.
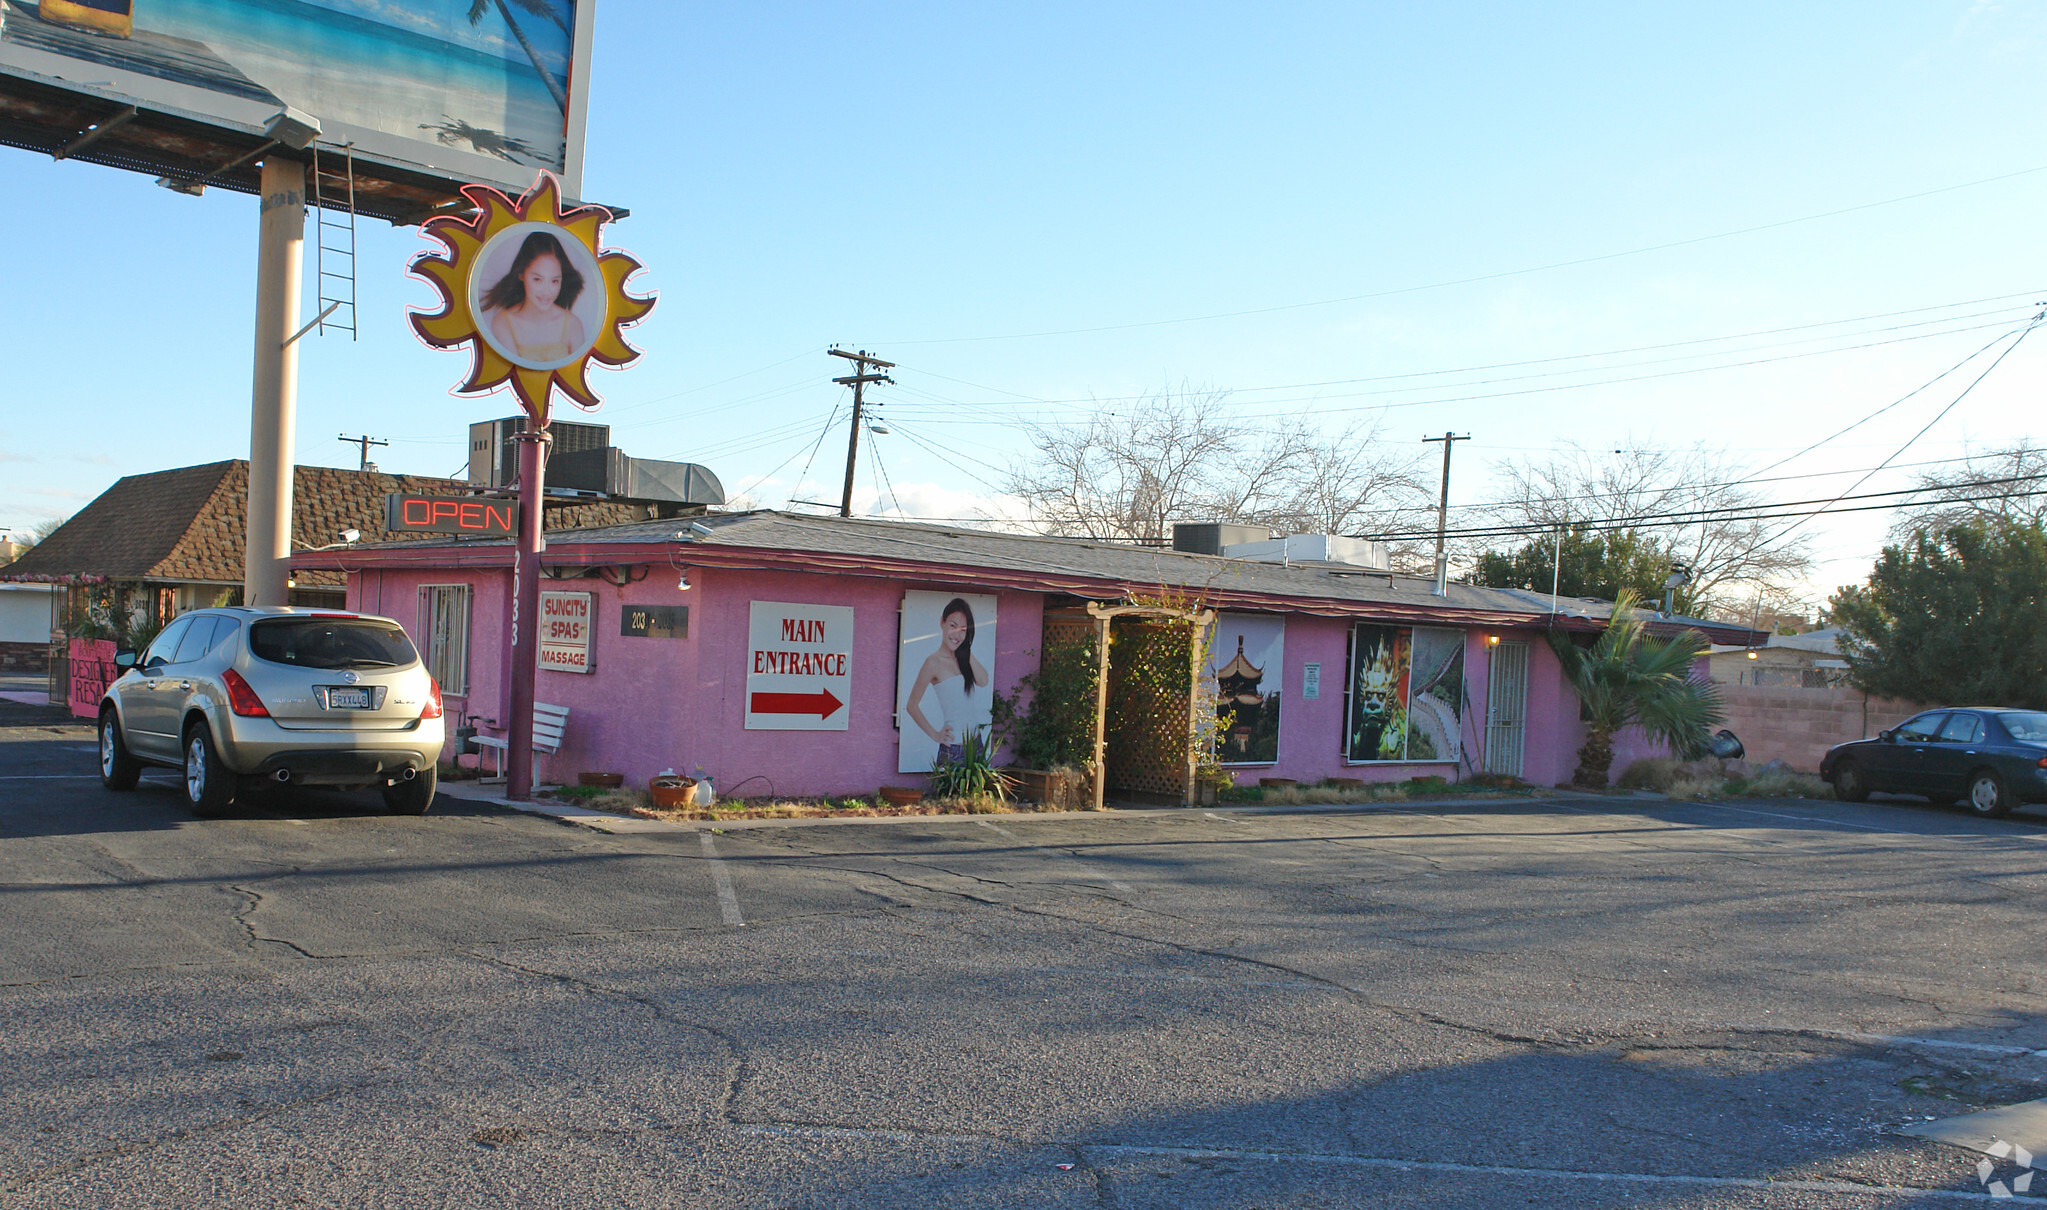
821,703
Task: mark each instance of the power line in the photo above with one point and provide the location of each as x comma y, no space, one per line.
881,472
1716,513
1901,399
2037,320
1542,390
1542,361
1466,281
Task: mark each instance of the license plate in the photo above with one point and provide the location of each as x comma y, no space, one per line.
348,699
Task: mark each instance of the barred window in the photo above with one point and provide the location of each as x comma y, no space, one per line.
444,621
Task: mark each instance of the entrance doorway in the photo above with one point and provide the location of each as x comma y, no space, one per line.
1506,708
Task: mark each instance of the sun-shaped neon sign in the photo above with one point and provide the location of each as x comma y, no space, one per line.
527,287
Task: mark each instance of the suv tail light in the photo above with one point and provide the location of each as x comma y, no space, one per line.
433,699
240,698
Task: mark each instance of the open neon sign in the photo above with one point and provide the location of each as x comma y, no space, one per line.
407,513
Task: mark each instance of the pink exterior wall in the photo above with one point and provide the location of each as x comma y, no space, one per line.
654,704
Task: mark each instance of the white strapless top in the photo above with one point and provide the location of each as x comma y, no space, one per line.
952,703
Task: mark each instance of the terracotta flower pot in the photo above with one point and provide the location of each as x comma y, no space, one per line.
901,796
670,793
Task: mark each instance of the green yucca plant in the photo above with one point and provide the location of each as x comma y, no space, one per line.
973,775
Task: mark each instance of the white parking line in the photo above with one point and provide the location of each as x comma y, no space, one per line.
1124,887
1381,1163
728,899
50,777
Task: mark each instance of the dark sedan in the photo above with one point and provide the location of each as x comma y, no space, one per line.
1991,759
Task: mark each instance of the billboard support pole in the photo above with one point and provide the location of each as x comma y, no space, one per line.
273,414
533,445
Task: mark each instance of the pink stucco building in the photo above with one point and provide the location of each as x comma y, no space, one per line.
1368,674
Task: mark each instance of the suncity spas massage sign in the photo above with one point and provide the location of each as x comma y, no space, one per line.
527,286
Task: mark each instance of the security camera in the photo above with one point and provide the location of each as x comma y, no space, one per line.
350,535
700,529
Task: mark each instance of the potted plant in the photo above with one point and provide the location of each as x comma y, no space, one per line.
671,792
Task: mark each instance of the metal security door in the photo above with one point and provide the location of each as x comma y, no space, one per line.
1506,708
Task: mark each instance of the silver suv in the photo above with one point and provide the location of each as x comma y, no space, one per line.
245,697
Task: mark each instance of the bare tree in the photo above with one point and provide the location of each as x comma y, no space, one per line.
1133,472
1690,500
2000,484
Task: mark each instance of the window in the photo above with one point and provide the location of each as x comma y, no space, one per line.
444,621
1920,730
198,640
1961,729
166,643
2027,727
317,642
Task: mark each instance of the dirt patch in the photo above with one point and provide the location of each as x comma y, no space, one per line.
638,804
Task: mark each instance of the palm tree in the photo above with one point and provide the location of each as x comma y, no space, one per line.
1626,679
542,8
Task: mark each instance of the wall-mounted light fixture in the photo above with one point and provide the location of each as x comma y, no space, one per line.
1492,640
682,581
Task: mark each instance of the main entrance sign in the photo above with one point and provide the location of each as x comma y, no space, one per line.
798,666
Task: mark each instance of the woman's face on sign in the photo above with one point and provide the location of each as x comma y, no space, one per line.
955,631
543,280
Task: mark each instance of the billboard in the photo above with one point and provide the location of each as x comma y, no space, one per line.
463,90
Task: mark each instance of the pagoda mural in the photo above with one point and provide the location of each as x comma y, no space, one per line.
1246,659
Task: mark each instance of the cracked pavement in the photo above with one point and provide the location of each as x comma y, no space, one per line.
1523,1002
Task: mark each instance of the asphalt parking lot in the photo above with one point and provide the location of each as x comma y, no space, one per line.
1556,1002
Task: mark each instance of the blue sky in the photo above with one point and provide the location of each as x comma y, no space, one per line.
947,184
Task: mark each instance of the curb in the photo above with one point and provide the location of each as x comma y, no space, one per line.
605,821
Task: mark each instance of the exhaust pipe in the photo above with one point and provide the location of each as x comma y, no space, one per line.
411,773
283,775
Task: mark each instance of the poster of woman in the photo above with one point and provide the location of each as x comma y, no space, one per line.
945,677
1246,666
538,296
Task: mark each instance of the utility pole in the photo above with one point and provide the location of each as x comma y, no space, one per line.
365,443
857,381
1449,440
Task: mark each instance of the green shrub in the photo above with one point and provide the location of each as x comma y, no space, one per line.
1649,773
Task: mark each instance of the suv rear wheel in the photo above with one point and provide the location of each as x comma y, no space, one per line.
209,785
411,797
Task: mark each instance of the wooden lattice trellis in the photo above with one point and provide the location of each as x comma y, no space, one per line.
1147,718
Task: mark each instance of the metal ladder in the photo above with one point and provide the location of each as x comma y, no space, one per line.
334,195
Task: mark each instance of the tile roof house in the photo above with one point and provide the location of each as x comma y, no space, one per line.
183,530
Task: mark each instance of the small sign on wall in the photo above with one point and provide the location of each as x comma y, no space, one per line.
1311,681
565,628
654,621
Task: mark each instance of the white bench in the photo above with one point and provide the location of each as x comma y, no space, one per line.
548,724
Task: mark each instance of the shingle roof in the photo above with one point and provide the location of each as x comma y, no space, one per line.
190,525
1082,567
